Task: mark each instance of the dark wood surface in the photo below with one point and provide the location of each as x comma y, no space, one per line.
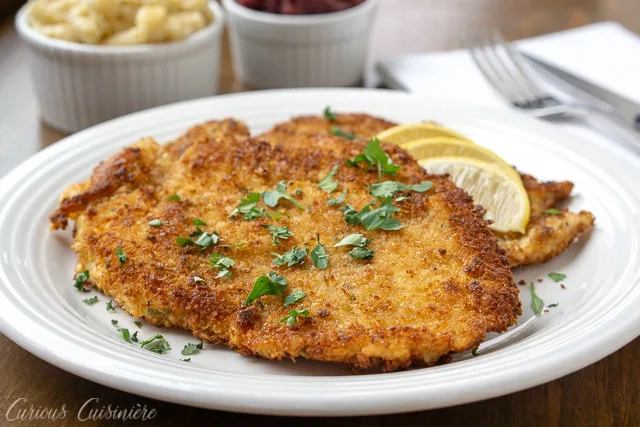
606,393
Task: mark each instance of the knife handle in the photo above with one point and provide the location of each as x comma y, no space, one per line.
612,124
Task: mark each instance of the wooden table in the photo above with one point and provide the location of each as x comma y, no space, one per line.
605,393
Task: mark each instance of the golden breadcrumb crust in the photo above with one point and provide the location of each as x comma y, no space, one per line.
437,286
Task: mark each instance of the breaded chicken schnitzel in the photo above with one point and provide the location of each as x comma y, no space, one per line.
546,236
153,224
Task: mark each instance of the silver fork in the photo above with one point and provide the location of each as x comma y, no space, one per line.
506,70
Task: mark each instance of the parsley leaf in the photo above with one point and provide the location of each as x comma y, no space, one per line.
110,306
319,256
204,240
271,198
122,255
190,349
294,297
156,344
90,301
188,359
124,333
536,302
80,279
174,197
291,258
278,233
554,305
552,211
557,277
361,253
337,131
353,240
222,263
327,183
373,219
155,223
474,351
375,156
197,222
272,285
114,322
337,200
134,337
292,318
138,324
389,188
247,207
330,115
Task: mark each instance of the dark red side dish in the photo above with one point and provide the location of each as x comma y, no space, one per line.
299,7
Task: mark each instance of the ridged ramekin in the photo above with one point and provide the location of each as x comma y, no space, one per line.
273,51
80,85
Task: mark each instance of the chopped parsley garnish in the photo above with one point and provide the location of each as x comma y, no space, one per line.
361,243
293,257
222,263
373,219
90,301
188,359
337,200
204,240
474,351
174,197
190,349
327,183
278,233
110,306
554,305
197,279
271,198
337,131
138,324
198,222
134,337
247,207
557,277
80,279
353,240
330,115
319,256
375,157
361,253
155,223
272,285
124,333
294,297
387,189
536,302
122,255
292,318
552,211
156,344
114,322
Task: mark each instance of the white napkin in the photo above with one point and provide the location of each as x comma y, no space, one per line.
606,54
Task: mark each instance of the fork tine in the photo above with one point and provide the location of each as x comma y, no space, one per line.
479,56
518,70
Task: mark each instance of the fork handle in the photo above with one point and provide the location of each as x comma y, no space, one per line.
612,123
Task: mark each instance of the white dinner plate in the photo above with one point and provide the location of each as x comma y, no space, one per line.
597,312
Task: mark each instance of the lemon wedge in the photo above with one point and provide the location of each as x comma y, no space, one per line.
451,147
501,193
410,132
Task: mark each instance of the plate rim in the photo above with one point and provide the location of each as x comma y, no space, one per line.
606,345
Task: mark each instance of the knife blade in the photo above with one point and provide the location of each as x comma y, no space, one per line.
596,96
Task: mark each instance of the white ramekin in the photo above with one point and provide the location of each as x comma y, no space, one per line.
272,51
80,85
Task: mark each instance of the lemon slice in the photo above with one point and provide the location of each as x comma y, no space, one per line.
412,131
502,194
450,147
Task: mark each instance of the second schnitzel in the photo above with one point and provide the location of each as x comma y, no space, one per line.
546,235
